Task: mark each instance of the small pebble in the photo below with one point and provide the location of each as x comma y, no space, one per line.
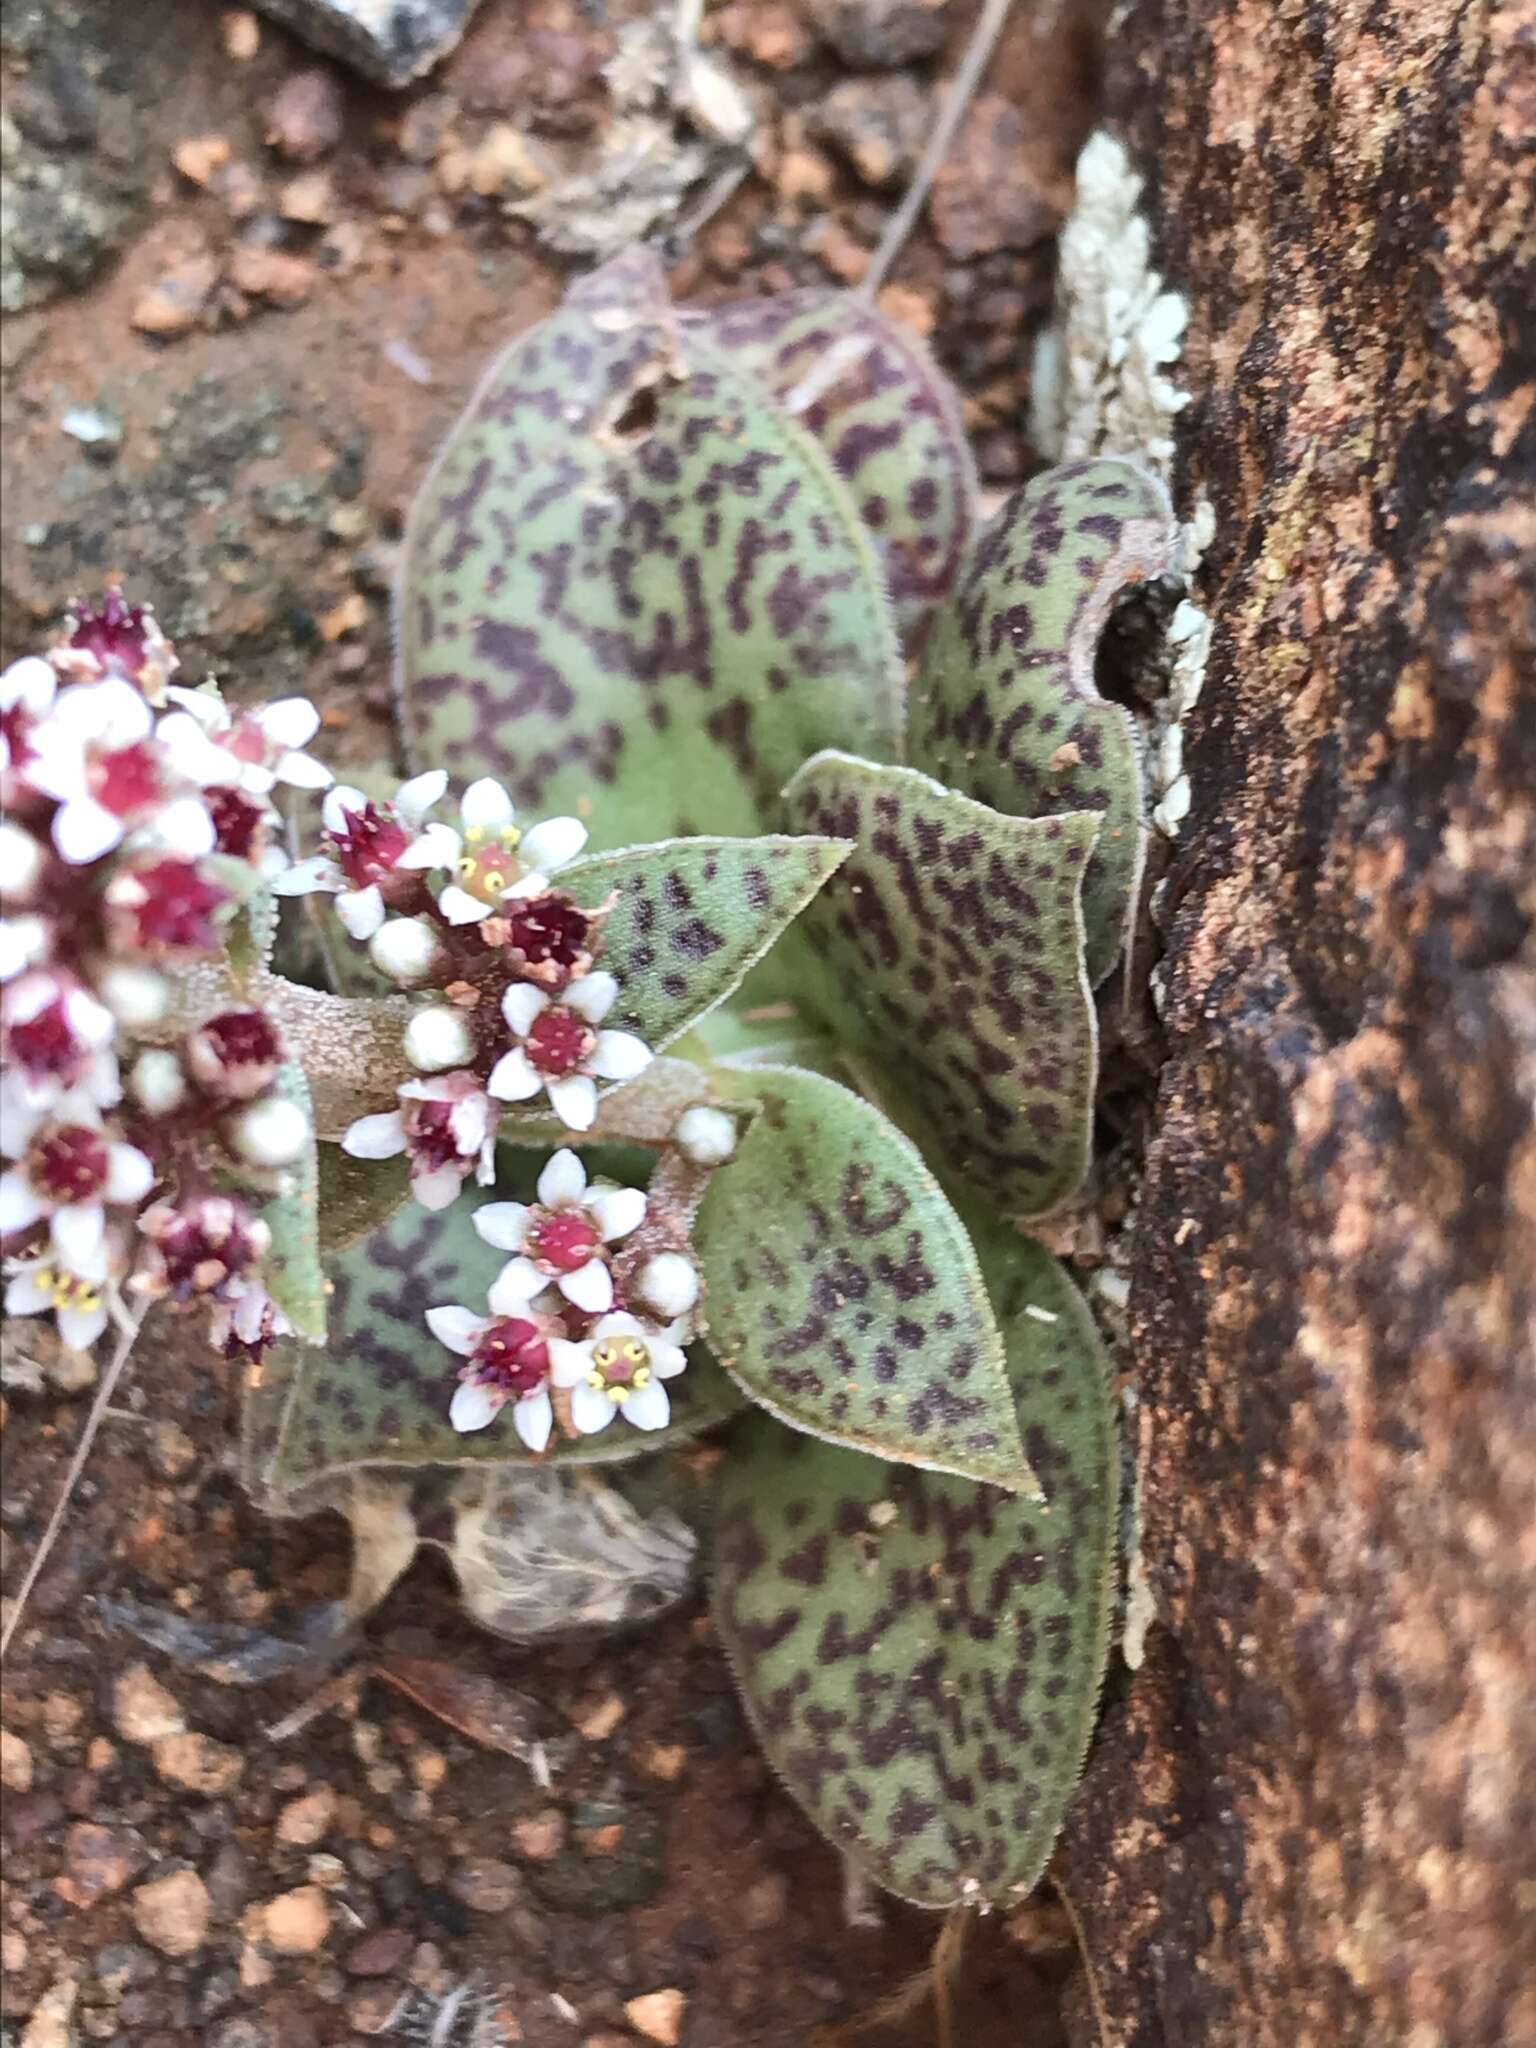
304,116
597,1716
764,1904
296,1923
97,1862
271,274
486,1886
658,2015
242,34
540,1836
664,1760
172,1913
173,303
310,199
373,2009
303,1822
198,1762
200,156
380,1953
15,1763
171,1451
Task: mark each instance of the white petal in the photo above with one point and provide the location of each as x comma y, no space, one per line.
130,1174
533,1418
521,1004
256,780
563,1181
23,941
80,1329
361,910
649,1408
470,1121
339,802
552,844
77,1231
593,996
620,1324
83,830
617,1211
29,682
668,1359
23,1297
437,847
193,754
512,1078
472,1407
591,1409
590,1287
486,806
457,1327
185,827
438,1189
459,907
113,711
302,771
619,1056
20,1203
569,1363
375,1137
205,705
530,884
288,721
502,1224
306,876
573,1098
514,1287
415,798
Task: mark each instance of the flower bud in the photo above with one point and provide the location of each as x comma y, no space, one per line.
407,949
235,1055
438,1038
705,1136
272,1132
157,1083
136,996
21,863
668,1284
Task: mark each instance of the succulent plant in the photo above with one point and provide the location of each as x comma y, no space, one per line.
862,840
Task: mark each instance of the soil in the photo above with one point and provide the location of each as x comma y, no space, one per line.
228,406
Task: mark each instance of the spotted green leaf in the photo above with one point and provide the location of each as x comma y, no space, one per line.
885,413
291,1268
1006,708
379,1393
842,1293
689,917
357,1195
950,946
922,1656
633,587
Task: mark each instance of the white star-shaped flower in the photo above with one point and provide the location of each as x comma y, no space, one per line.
563,1238
561,1051
619,1368
494,860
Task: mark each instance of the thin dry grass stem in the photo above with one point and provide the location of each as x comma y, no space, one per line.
1090,1978
129,1323
962,90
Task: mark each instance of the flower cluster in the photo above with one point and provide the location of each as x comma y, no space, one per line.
587,1319
471,913
133,809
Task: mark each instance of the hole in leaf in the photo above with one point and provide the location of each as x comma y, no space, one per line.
635,421
1133,661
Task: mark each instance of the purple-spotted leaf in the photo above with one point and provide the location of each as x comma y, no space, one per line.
1005,707
379,1393
922,1656
950,946
884,411
842,1293
689,917
633,588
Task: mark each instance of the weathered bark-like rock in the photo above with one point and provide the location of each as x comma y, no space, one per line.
1312,1820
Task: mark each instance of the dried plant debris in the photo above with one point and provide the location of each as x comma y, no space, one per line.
676,114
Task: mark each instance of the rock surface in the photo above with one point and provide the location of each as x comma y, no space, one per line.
1308,1821
390,41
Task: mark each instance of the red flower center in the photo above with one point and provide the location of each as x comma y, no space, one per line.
512,1354
370,846
202,1247
564,1239
126,779
176,909
550,927
46,1043
69,1163
558,1042
114,634
433,1143
237,822
243,1037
